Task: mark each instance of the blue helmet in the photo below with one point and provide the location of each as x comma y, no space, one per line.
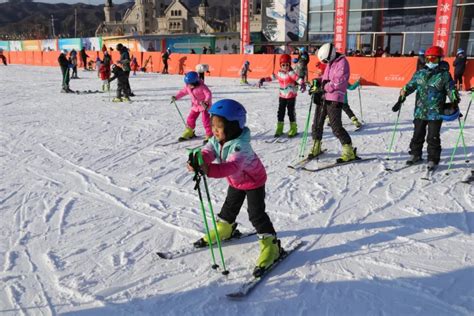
451,112
302,49
421,52
191,77
231,110
294,60
247,62
460,51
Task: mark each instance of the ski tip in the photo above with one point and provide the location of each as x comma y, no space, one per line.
162,255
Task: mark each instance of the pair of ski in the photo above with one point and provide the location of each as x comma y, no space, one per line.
280,139
250,282
301,165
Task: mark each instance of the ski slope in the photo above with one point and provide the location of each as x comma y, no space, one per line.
90,189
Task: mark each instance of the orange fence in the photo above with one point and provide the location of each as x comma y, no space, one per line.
385,72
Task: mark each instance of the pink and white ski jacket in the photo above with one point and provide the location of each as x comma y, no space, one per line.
198,95
288,81
236,161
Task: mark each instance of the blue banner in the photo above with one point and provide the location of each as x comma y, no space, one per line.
4,45
70,43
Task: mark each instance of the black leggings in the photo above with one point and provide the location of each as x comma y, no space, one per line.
256,208
332,109
283,105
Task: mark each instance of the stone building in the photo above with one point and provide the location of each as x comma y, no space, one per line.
149,17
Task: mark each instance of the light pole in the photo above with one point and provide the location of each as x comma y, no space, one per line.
52,25
75,22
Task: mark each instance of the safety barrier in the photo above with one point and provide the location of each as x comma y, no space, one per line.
385,72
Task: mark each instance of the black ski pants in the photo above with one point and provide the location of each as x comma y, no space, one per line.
256,208
333,109
347,109
284,104
127,87
433,139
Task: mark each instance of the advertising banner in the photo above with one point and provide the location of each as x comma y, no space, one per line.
244,24
4,46
31,45
15,46
443,24
285,20
183,45
49,45
69,43
92,43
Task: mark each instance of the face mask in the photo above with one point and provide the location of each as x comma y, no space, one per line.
431,65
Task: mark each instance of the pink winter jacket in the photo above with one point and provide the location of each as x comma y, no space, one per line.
288,81
337,74
198,95
236,161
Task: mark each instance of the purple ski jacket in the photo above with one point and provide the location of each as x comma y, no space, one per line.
337,76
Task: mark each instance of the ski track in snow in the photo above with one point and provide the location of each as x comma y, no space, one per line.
91,189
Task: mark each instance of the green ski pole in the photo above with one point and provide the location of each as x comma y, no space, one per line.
461,136
181,115
197,179
394,130
304,140
360,105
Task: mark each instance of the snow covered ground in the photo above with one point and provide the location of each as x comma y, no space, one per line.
90,189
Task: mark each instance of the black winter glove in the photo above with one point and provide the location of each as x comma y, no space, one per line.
398,105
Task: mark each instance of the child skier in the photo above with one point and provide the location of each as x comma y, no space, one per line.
201,69
288,80
243,72
104,72
73,58
334,88
134,66
432,84
201,99
229,155
122,84
98,63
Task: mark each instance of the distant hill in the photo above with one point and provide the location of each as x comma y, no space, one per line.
24,20
33,20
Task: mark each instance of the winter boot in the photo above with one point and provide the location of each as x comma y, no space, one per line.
269,252
125,99
315,150
187,134
279,130
348,153
413,160
293,129
117,100
356,122
224,229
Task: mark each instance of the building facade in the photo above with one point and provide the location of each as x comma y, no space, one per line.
399,26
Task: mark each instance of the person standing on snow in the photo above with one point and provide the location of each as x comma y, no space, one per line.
229,155
201,69
244,71
459,66
73,57
420,62
2,57
432,84
334,88
201,100
165,57
125,62
288,80
65,65
83,56
122,84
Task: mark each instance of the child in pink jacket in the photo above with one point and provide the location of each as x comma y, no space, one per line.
288,80
201,100
229,155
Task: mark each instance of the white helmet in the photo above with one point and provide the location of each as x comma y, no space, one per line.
327,53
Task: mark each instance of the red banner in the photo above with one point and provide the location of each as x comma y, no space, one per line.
340,25
244,25
443,24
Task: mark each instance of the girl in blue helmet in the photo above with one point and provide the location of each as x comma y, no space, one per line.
459,67
201,100
229,155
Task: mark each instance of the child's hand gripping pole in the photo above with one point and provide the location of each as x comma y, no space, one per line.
196,161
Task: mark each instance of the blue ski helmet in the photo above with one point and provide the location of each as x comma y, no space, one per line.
191,77
231,110
421,52
247,62
460,51
294,60
451,112
302,49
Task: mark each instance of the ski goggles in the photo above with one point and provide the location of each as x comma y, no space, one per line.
285,65
432,59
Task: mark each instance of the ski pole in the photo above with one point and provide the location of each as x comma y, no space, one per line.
461,135
181,115
393,134
304,140
360,105
197,179
198,152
